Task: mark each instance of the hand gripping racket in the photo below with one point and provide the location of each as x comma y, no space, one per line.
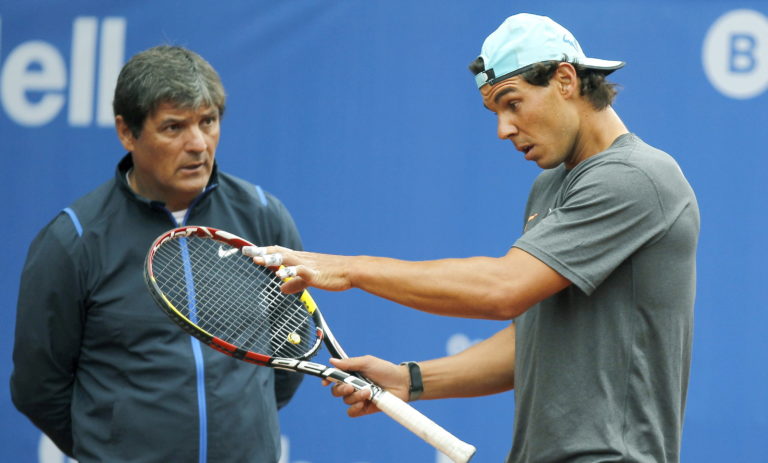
200,278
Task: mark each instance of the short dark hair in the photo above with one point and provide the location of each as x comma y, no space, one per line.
165,74
594,85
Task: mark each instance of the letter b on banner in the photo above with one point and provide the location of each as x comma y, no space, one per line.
735,54
742,54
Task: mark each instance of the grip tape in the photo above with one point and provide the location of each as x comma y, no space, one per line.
456,449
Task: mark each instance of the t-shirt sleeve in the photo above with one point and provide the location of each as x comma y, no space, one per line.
606,215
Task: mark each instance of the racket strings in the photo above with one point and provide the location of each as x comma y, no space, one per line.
223,292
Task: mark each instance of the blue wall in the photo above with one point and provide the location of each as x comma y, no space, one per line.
362,117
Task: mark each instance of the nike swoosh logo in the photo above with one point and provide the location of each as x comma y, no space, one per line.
226,253
569,41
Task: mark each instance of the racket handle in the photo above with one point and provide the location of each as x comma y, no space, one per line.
456,449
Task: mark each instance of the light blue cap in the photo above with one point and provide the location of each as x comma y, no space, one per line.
526,39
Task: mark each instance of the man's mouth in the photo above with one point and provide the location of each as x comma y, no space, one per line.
192,167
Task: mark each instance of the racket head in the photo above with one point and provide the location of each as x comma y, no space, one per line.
200,278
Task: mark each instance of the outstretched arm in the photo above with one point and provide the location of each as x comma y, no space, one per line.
477,287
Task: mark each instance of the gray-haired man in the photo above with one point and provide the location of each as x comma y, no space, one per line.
97,367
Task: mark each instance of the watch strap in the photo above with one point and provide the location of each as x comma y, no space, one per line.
416,386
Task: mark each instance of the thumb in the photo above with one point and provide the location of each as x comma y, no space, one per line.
373,368
347,364
364,364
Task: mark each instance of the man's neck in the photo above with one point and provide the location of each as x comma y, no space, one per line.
599,130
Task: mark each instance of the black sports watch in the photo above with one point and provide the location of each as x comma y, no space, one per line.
416,386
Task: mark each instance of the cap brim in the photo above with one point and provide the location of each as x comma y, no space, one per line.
602,64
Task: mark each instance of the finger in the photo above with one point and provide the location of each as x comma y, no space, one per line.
362,396
260,251
301,271
350,399
297,278
361,409
287,273
356,410
342,390
341,364
253,251
352,363
273,260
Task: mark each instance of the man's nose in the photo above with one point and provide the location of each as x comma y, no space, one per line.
196,140
506,127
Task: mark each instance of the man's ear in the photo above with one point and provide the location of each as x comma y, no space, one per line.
124,133
566,80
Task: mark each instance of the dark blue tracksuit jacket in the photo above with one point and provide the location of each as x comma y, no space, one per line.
103,372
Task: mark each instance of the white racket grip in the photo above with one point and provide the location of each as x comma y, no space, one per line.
456,449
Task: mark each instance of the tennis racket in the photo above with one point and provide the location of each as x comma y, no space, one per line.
200,278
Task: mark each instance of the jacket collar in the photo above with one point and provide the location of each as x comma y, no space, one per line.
126,164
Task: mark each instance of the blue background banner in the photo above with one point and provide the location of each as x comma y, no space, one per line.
363,119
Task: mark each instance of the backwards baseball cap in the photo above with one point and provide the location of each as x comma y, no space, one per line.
525,39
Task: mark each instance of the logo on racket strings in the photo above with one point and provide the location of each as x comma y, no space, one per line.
226,252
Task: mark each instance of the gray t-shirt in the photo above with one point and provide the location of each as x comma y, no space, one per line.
601,368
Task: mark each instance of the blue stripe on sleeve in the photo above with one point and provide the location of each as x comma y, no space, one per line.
262,196
72,215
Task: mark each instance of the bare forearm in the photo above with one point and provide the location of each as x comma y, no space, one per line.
476,287
453,287
483,369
